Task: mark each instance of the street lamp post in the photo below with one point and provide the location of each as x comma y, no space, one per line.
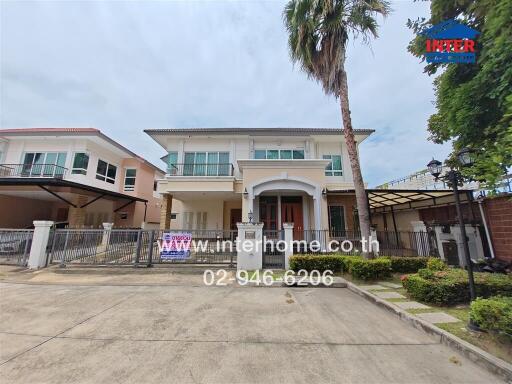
454,177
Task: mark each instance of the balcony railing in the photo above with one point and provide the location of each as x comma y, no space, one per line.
212,169
33,170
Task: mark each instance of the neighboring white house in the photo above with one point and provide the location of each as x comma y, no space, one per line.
217,177
77,176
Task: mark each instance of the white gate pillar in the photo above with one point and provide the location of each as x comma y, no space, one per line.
107,228
37,258
250,246
288,238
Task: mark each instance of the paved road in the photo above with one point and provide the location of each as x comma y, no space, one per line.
196,334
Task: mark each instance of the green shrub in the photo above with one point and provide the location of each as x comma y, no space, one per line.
408,264
451,286
426,273
494,314
372,269
320,263
436,264
335,263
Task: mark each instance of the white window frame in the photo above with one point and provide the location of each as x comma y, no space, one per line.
46,153
105,177
331,172
279,150
73,169
129,188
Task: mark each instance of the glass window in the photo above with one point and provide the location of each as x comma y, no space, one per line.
275,154
334,167
172,163
272,154
50,164
106,172
80,164
285,154
206,164
337,220
260,154
129,180
298,154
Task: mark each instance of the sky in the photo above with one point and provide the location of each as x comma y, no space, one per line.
126,66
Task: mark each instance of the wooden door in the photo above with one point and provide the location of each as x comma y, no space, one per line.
268,212
291,212
236,217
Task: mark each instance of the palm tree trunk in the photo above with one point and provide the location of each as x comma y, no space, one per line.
348,132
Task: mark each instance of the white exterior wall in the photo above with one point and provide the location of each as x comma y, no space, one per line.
242,148
214,209
19,146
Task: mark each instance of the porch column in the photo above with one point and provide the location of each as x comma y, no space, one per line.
165,211
76,215
247,206
288,238
318,212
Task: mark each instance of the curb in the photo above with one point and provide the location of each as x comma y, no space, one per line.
478,356
338,282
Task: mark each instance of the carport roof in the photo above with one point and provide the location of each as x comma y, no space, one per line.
382,198
53,182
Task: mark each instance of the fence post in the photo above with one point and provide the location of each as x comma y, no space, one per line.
37,258
138,247
288,238
150,253
373,237
250,246
107,230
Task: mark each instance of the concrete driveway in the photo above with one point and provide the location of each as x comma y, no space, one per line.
197,334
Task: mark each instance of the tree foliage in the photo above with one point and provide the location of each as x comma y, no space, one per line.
474,101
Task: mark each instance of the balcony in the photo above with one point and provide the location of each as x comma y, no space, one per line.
211,169
47,171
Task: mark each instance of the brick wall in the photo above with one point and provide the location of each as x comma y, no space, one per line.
498,213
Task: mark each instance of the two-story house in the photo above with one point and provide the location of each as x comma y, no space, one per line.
76,176
217,177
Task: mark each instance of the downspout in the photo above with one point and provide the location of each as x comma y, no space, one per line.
480,200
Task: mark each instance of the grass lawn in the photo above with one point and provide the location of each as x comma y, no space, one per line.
499,346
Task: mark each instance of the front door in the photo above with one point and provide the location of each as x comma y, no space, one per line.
268,212
291,212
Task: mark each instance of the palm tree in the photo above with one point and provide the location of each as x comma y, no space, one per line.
318,34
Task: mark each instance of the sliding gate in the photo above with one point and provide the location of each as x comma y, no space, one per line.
138,247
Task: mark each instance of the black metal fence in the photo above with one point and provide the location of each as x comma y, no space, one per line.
32,170
399,243
140,247
15,246
273,253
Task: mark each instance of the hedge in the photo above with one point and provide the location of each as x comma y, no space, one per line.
365,269
451,286
494,314
408,264
372,269
320,263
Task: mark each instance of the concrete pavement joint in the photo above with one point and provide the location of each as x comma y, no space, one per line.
68,329
241,342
